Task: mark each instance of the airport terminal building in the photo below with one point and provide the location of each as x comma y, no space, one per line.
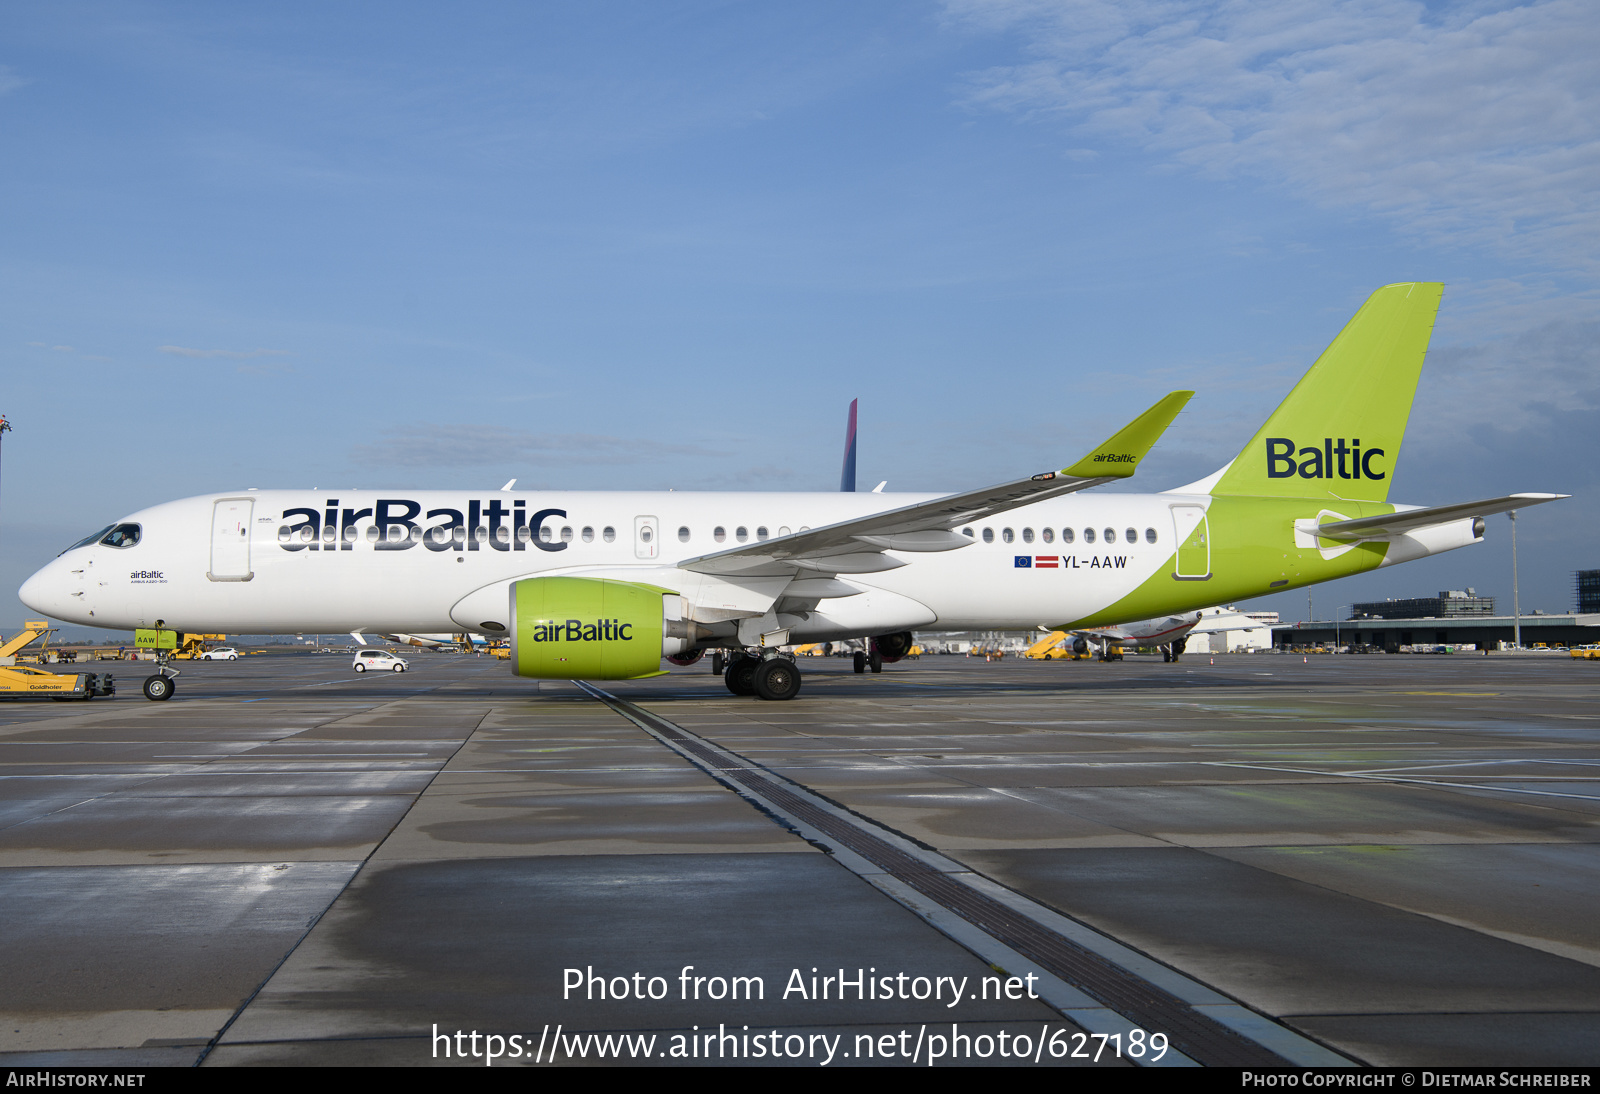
1453,618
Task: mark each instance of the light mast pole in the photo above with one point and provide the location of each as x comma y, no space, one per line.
1516,604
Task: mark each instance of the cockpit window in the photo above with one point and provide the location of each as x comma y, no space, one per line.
122,535
86,540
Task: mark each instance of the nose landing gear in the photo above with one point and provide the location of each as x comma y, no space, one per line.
159,688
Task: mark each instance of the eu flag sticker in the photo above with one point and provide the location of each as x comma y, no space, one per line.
1024,562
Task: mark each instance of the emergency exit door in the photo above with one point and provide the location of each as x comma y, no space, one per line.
646,538
230,540
1194,543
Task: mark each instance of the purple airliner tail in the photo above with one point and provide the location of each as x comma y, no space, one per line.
847,475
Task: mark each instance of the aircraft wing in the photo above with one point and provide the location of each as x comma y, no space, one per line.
1396,524
1233,621
857,546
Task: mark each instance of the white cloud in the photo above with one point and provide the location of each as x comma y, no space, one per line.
1473,123
425,445
231,354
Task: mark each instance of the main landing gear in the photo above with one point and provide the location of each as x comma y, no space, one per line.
773,677
1173,650
865,660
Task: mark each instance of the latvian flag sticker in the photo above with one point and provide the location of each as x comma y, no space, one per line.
1047,562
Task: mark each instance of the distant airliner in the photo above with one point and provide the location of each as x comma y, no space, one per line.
592,585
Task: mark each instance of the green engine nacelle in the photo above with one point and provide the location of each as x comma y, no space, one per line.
587,628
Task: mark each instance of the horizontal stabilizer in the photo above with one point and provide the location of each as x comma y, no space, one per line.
1397,524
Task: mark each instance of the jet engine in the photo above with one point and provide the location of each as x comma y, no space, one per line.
586,628
891,647
1080,646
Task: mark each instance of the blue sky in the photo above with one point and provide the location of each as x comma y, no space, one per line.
653,245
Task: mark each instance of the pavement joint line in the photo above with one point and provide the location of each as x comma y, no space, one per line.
1014,928
1424,782
216,1038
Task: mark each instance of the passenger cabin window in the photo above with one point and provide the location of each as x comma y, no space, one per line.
1149,535
761,532
1048,535
609,535
1111,535
741,534
588,535
683,534
566,535
1066,535
967,532
988,535
1007,535
544,533
1131,535
1088,535
719,533
1027,535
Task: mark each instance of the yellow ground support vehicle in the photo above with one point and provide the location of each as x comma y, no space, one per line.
29,683
1055,646
1052,647
1585,653
193,645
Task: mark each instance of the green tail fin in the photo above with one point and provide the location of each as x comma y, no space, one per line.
1338,433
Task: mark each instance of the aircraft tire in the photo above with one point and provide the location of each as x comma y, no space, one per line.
158,688
740,676
874,661
776,679
860,659
717,663
1166,653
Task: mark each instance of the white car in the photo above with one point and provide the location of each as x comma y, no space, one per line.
378,661
221,653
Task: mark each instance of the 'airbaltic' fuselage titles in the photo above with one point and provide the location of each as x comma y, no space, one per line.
394,527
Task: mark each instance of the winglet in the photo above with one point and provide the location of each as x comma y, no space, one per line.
1119,457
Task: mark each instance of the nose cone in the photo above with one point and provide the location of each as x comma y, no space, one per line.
49,592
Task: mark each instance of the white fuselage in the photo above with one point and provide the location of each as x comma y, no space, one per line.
295,561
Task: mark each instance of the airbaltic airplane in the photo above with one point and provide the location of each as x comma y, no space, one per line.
602,586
